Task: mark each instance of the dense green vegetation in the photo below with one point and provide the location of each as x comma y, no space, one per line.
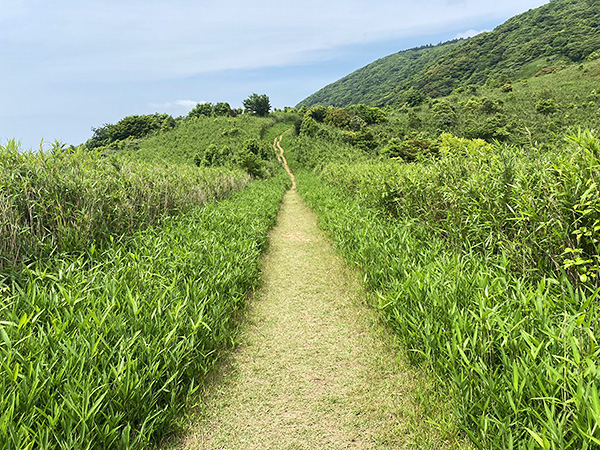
461,179
555,35
215,142
216,110
99,350
482,256
129,128
121,266
129,133
519,354
471,206
535,112
79,201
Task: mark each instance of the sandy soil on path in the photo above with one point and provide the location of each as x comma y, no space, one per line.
314,369
279,151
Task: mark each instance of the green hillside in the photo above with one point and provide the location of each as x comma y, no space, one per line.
467,194
560,33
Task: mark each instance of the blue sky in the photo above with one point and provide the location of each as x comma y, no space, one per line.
71,65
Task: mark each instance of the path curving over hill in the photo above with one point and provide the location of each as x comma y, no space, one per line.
279,150
313,369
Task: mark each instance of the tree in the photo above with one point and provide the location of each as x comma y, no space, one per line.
259,105
136,127
201,109
222,109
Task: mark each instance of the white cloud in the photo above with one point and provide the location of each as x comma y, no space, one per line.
157,39
177,107
469,33
188,104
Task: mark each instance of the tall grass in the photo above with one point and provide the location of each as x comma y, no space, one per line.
531,206
485,263
73,201
520,354
100,352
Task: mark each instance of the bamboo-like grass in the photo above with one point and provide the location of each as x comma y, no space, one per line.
465,258
101,350
75,201
527,204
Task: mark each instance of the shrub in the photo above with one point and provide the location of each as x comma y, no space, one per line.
411,148
546,106
494,127
309,126
371,115
130,127
337,117
444,114
317,113
363,139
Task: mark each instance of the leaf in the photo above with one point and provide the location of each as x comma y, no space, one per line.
542,441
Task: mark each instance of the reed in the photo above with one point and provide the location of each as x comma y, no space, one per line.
101,350
465,258
73,201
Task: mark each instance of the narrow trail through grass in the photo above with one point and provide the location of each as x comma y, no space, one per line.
282,160
313,369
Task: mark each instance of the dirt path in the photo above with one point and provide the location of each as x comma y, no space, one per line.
282,160
313,370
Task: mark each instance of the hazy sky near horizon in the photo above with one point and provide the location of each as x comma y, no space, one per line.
72,65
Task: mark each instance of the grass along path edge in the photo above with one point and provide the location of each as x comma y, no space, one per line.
314,368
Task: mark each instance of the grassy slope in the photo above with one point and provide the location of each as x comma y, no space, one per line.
98,350
490,112
519,355
192,136
466,254
76,201
102,337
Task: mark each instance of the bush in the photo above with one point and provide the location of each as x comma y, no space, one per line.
317,113
371,115
546,106
363,139
254,158
410,149
494,127
309,127
130,127
444,114
337,117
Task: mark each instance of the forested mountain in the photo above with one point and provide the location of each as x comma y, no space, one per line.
557,34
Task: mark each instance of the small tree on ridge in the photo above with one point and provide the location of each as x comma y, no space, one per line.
259,105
